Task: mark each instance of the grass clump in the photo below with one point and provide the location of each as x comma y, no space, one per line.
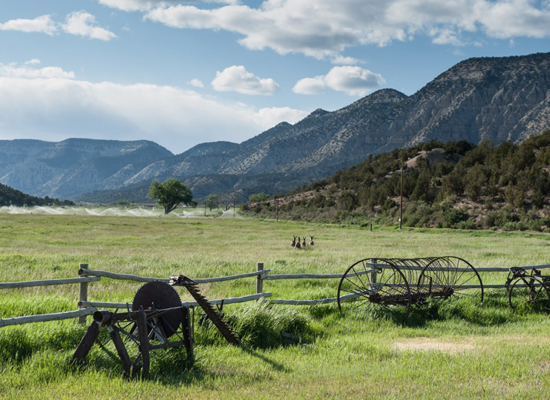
260,325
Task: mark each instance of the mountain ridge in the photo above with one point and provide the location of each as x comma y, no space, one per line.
494,98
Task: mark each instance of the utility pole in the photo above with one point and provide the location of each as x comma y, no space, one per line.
234,211
401,202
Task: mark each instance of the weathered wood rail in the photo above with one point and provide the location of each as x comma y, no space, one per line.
87,276
81,313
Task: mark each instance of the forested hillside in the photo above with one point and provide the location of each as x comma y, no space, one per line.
456,184
9,196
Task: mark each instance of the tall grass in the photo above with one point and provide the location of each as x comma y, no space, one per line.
294,352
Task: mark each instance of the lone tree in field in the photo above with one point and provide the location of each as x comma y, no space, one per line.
170,194
212,201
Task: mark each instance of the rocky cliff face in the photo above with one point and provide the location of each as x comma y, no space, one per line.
478,99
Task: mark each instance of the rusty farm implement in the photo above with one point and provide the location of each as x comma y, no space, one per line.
387,282
157,320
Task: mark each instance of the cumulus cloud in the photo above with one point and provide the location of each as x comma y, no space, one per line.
341,60
238,79
354,81
13,71
81,23
42,24
325,28
196,83
54,109
144,5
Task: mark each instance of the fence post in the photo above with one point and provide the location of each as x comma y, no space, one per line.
83,293
259,280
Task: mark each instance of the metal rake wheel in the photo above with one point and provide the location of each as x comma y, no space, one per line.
450,277
529,291
367,284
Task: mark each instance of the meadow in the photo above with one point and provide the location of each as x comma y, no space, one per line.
449,350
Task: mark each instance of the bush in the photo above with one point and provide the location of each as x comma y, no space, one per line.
452,216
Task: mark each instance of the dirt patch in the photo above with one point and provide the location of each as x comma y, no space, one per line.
427,344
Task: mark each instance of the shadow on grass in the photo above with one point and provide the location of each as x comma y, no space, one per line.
173,367
494,311
275,365
20,343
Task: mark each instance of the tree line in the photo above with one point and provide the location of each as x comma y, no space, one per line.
13,197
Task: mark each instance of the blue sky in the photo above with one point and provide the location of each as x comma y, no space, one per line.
186,72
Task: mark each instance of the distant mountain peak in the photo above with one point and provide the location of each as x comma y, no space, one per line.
499,99
317,113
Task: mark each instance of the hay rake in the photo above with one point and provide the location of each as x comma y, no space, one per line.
387,282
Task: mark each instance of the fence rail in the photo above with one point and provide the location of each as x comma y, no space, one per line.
136,278
47,317
88,276
51,282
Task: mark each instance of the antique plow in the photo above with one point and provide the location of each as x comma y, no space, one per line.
157,320
404,282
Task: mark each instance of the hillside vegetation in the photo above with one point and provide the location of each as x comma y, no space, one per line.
456,185
9,197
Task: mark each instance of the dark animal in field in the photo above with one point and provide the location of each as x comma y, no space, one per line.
298,245
293,243
311,241
304,242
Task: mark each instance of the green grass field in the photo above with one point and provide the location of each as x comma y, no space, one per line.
452,350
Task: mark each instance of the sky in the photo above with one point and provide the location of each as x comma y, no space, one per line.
181,73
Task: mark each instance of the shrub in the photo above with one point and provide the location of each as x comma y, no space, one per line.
452,216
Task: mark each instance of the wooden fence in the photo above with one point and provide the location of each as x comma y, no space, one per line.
87,276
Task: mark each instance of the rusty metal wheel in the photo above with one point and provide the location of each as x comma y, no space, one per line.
447,277
529,292
374,283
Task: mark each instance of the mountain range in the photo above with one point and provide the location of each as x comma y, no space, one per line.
496,99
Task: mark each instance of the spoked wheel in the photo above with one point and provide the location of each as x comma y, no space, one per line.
371,283
447,277
535,296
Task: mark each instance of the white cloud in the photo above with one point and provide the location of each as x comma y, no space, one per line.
341,60
238,79
310,85
144,5
42,24
12,71
81,23
325,28
54,109
354,81
269,117
196,83
446,36
34,61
